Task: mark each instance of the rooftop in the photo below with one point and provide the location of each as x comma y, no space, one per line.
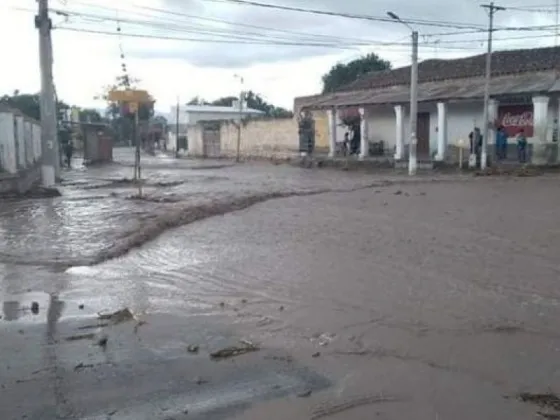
503,63
218,109
514,72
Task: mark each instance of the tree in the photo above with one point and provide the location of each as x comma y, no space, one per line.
342,74
30,104
197,100
122,121
90,115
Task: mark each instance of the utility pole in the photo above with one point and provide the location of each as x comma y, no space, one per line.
492,9
49,136
238,152
412,157
177,129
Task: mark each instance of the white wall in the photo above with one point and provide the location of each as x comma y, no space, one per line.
461,119
7,144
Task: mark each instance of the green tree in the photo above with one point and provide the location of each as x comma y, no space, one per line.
122,121
30,104
90,115
197,100
342,74
252,100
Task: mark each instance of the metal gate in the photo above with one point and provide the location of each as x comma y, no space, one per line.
211,140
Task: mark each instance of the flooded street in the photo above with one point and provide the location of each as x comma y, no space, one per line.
368,295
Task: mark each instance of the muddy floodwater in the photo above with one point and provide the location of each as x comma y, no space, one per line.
367,295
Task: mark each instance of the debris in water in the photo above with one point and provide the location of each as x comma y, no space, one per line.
81,366
328,410
551,416
193,348
304,394
234,351
102,342
548,400
399,192
35,308
81,306
93,326
200,381
222,304
281,308
117,317
81,337
264,322
244,301
323,339
21,331
138,325
316,354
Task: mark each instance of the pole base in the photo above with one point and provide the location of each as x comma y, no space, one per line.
48,176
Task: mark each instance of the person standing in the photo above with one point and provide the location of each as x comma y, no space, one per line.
501,143
521,146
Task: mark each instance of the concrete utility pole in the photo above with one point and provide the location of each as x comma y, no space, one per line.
241,97
492,9
49,136
177,129
412,156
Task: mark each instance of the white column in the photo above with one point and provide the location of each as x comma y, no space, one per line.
540,126
364,144
399,127
493,105
442,131
332,115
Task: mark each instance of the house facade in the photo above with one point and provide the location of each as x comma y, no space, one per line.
193,114
525,92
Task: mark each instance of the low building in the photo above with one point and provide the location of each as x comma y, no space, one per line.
193,114
525,91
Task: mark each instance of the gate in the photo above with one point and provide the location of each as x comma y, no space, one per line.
211,146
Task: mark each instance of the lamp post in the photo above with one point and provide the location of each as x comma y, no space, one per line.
412,157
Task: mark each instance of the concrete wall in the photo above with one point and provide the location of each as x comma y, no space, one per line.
259,138
20,152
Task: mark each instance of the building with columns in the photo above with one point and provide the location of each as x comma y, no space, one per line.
525,92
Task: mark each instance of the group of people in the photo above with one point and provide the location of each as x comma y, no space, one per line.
502,144
502,138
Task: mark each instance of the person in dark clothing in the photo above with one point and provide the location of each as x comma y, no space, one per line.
501,143
69,151
522,146
475,138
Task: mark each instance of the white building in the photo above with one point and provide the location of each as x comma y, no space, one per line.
525,90
192,114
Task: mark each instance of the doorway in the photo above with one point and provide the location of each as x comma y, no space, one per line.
423,135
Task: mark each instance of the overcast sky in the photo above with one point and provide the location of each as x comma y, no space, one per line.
277,68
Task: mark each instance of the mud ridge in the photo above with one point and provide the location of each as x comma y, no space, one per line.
155,225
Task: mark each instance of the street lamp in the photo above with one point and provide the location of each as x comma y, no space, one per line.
412,157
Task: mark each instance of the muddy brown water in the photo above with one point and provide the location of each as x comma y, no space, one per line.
435,302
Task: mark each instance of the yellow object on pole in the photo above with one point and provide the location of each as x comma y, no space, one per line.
129,95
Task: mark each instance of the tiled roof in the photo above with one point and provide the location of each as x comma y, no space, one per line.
503,63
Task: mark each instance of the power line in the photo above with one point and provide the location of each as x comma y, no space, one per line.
202,30
424,22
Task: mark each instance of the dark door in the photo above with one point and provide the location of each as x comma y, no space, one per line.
423,135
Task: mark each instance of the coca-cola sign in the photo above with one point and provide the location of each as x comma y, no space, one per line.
515,118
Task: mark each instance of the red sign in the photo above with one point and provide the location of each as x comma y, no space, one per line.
514,118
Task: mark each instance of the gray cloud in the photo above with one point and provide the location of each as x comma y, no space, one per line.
242,54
